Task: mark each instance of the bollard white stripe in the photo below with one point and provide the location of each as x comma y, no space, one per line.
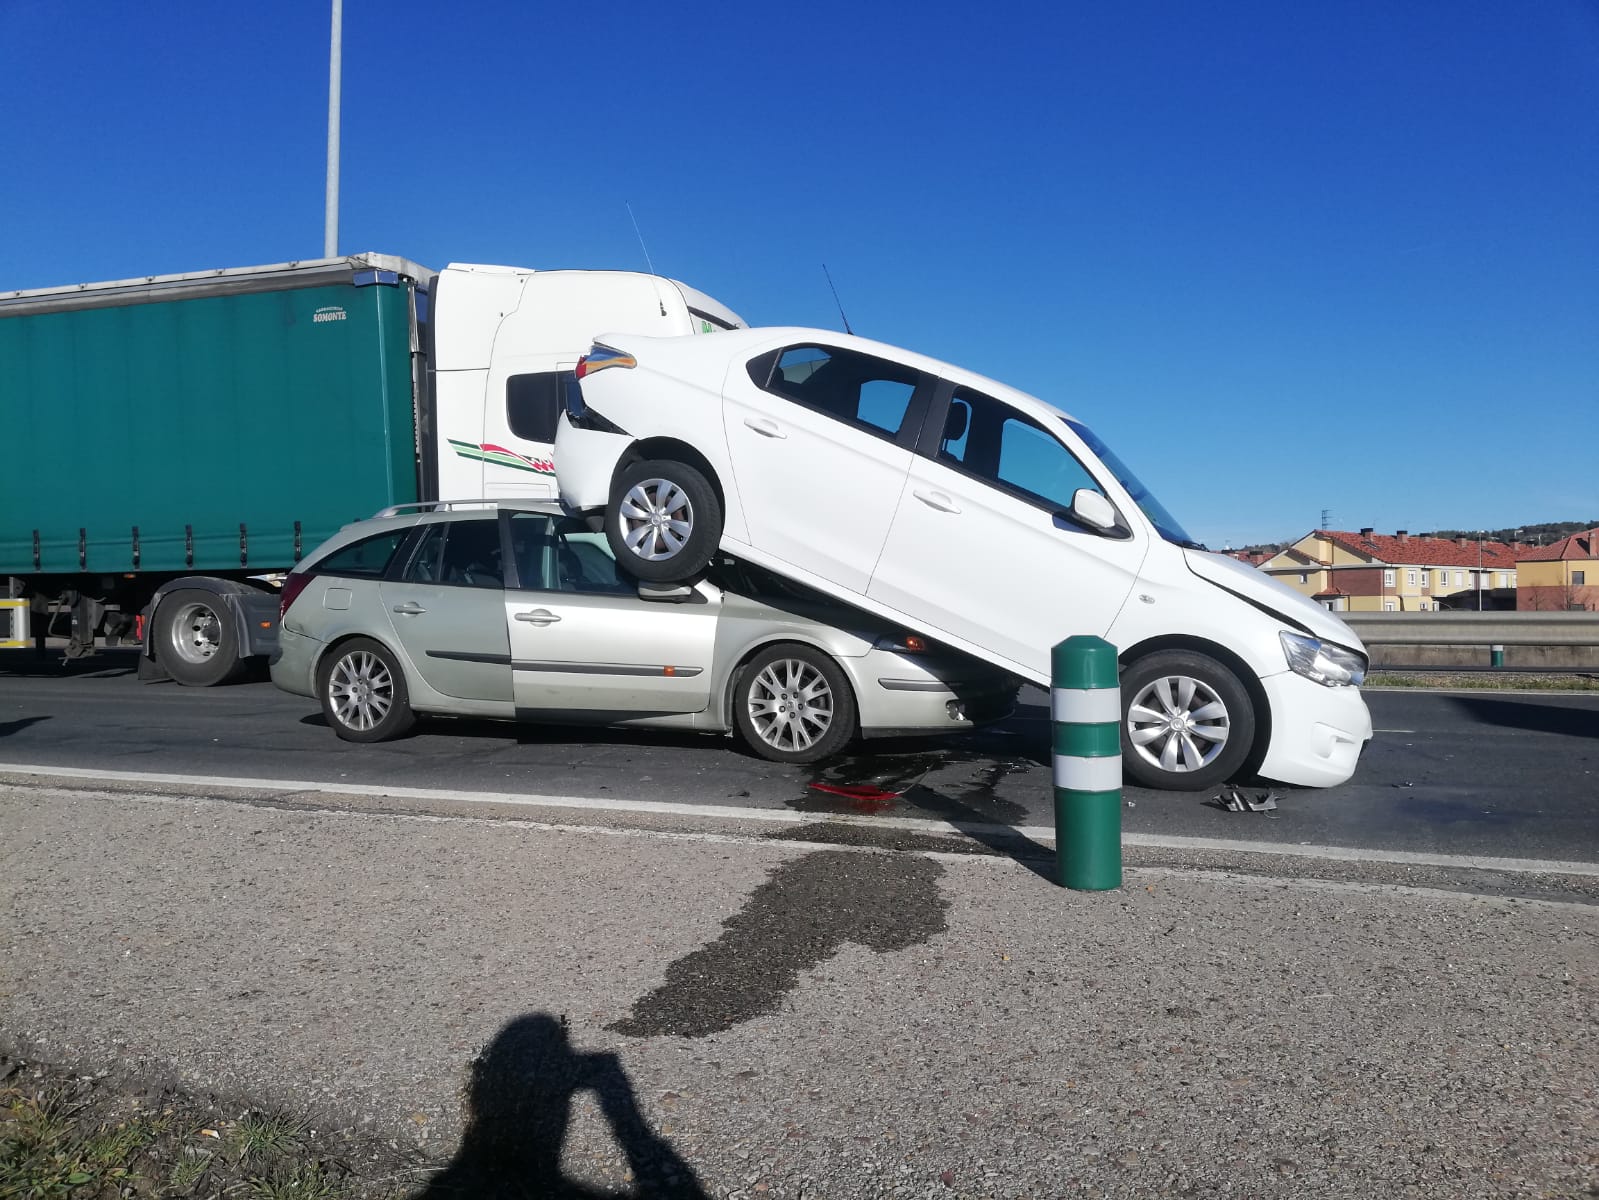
1086,706
1088,774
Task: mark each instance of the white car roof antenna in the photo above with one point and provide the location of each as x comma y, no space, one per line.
647,261
837,301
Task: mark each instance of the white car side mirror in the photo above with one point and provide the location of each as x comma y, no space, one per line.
1093,510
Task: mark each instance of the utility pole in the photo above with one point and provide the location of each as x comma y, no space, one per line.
330,222
1481,535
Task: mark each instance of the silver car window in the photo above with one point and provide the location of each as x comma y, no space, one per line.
584,562
463,553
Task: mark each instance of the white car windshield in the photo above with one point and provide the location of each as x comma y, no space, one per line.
1165,524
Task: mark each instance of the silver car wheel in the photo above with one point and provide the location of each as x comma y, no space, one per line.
361,690
195,633
657,518
1178,723
790,704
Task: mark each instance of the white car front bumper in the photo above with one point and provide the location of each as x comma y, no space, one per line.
1317,732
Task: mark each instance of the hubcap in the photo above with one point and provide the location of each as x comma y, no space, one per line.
657,518
1178,723
790,705
361,690
196,633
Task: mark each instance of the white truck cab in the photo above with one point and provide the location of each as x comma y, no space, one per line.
505,341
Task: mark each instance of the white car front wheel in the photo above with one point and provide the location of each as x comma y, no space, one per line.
1187,722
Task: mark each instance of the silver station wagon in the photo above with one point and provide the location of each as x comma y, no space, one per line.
512,610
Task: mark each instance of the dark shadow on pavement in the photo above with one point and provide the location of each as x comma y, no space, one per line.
1543,716
10,727
102,664
519,1106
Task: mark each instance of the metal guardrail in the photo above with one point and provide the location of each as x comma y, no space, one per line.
1475,629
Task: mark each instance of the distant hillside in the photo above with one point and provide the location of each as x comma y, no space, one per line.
1537,535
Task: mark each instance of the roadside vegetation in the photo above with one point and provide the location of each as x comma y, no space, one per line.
1496,681
76,1138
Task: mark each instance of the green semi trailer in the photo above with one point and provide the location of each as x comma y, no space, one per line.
171,446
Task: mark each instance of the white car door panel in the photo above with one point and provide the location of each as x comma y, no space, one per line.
975,555
818,480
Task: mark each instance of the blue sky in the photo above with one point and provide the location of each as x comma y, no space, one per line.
1283,257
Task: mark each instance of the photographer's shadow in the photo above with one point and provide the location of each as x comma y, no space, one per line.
519,1106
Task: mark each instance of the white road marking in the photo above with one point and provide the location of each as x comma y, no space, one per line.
1038,833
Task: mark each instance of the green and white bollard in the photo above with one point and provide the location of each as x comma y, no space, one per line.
1085,704
1496,656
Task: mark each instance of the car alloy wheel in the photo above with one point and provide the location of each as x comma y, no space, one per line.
363,693
657,518
794,705
663,522
1188,723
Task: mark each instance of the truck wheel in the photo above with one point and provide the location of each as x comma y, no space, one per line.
363,693
1187,723
196,639
663,522
792,704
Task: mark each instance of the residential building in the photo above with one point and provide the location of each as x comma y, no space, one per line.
1377,572
1560,577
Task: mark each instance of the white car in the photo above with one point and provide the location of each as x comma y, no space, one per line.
967,510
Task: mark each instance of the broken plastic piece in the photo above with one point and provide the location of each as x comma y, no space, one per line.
1234,800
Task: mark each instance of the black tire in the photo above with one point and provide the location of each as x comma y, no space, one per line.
363,693
1187,722
196,639
792,704
664,521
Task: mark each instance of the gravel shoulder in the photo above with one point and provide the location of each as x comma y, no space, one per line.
639,1011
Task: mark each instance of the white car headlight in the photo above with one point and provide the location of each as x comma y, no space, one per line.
1326,664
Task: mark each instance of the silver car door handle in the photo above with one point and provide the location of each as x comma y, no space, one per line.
409,609
764,427
538,616
936,500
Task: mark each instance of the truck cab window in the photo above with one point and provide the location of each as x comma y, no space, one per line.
533,401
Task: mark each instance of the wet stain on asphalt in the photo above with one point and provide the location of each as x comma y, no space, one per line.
801,916
872,784
1452,812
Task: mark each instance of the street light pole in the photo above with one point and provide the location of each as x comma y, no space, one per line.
1480,534
330,223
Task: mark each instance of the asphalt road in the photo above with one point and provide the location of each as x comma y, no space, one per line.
1458,773
630,1001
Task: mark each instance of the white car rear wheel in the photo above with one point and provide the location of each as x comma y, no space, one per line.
663,522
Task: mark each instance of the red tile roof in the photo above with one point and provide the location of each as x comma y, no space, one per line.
1577,545
1423,551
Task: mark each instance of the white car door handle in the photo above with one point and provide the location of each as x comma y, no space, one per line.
936,500
764,427
409,609
538,616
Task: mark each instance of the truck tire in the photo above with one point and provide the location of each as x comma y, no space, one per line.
196,639
663,522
